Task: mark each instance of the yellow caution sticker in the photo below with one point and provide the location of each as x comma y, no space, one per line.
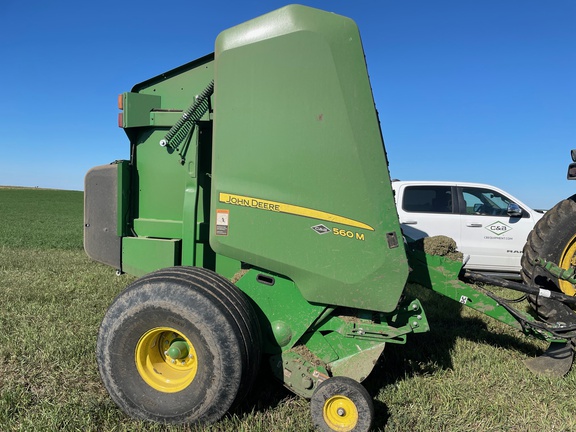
222,222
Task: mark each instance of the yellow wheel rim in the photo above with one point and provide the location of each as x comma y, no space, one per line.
340,413
155,364
567,260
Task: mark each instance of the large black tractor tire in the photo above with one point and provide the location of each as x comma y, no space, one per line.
180,345
553,239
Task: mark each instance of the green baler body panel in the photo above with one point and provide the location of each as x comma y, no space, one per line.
167,189
286,172
300,181
162,185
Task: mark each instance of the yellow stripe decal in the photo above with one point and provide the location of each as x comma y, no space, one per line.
245,201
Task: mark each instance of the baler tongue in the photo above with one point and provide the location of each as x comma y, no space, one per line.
555,362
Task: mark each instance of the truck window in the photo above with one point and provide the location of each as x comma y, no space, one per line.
480,201
427,199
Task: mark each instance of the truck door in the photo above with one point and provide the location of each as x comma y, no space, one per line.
428,210
493,239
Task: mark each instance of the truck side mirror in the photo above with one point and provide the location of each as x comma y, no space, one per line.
571,171
514,210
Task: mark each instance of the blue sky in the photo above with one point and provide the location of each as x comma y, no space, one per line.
468,90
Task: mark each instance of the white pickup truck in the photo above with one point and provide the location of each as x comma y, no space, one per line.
490,226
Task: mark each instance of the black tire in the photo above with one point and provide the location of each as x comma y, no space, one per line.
341,404
194,305
553,239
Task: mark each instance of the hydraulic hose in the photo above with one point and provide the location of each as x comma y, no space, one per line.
565,332
516,286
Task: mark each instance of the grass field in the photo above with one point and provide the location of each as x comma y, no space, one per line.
464,375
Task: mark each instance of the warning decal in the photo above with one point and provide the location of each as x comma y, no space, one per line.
222,219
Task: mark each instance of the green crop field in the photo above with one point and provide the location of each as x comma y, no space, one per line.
465,375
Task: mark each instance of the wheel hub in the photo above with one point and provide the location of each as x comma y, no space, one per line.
340,413
166,360
178,349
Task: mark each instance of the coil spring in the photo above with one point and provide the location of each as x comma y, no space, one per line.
184,125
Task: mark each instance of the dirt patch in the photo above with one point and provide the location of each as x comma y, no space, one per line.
238,275
439,245
307,355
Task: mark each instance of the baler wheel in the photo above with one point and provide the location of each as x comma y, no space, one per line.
180,345
341,404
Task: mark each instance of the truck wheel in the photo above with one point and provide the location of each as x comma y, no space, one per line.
341,404
554,239
179,345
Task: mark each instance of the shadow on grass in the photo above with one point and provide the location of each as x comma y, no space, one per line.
267,393
431,352
381,415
